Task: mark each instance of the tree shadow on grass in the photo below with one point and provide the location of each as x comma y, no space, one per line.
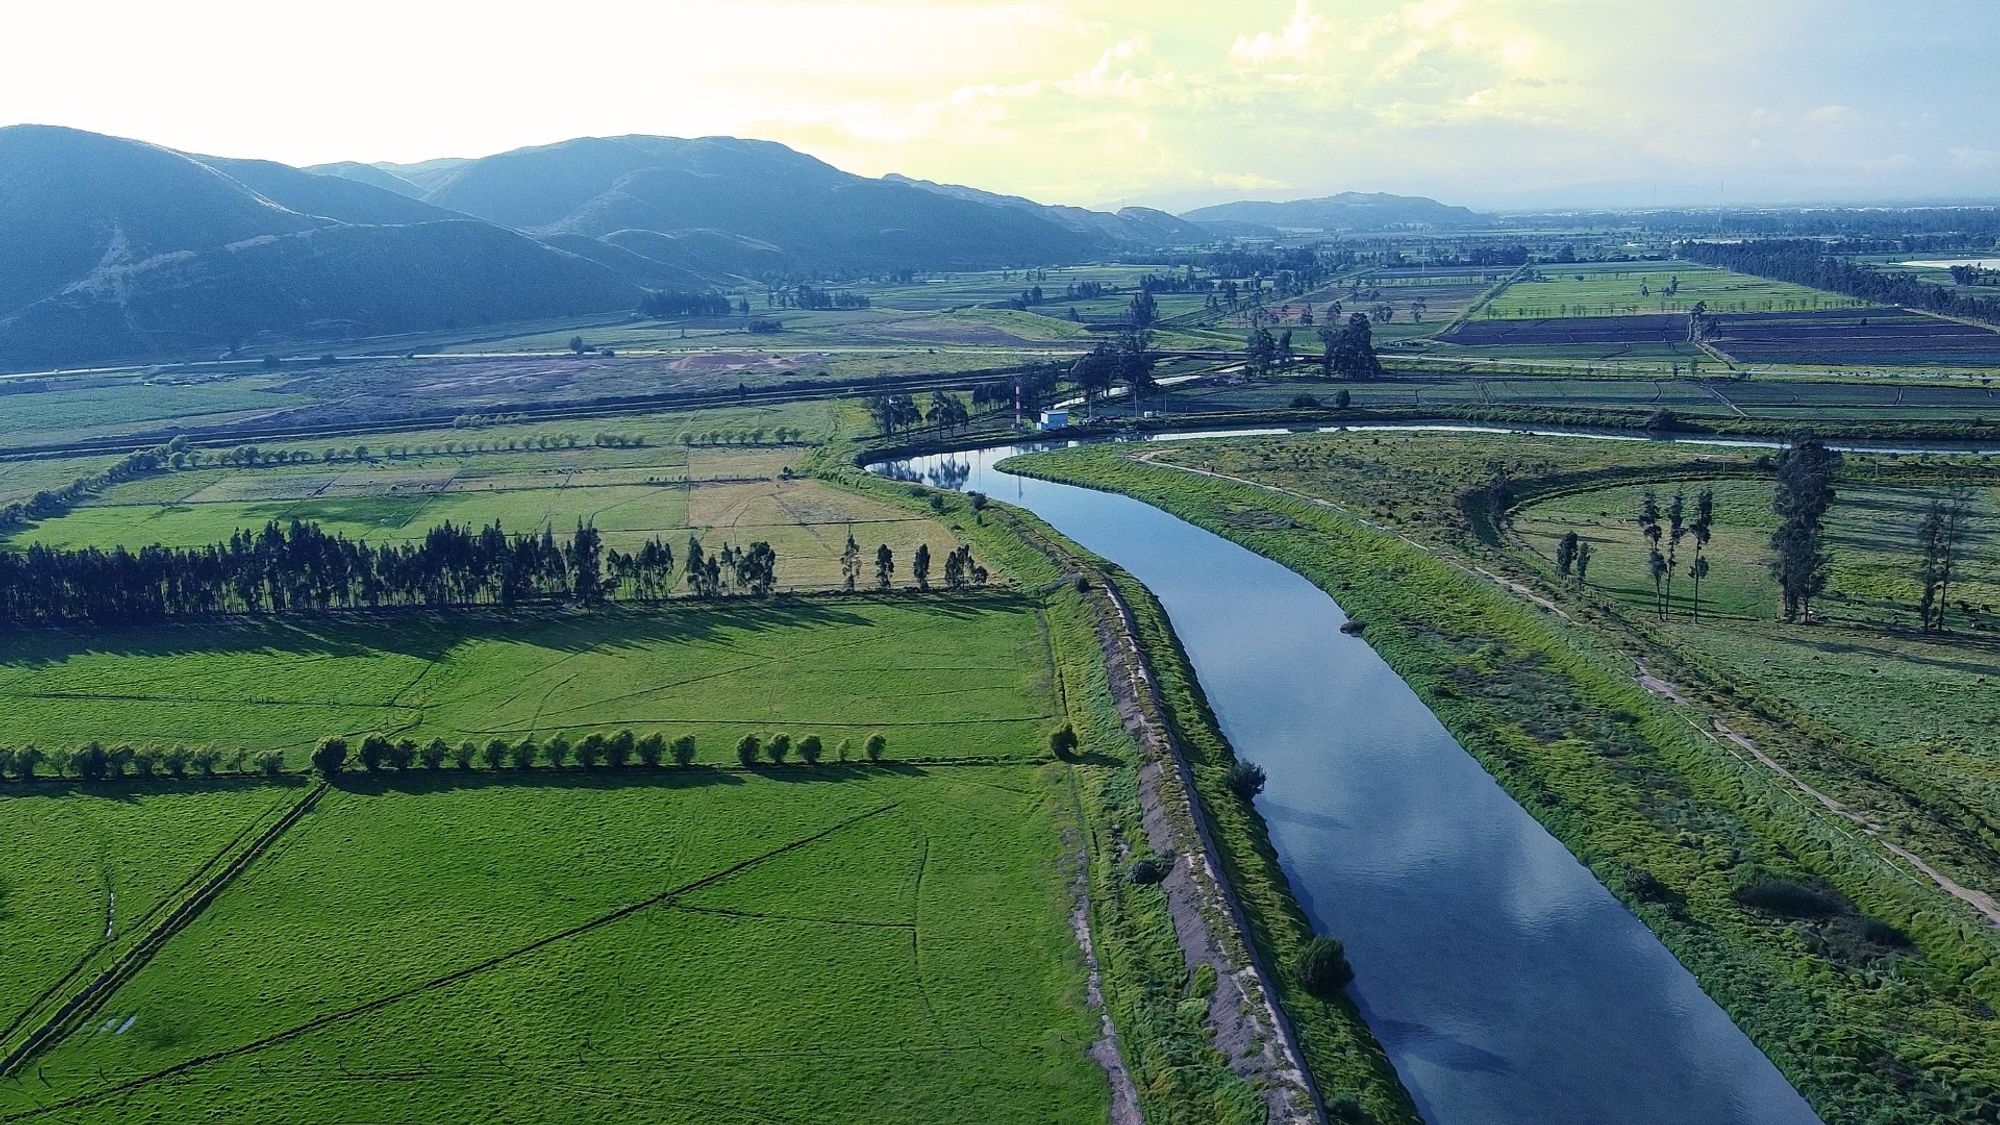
452,779
617,777
1891,655
430,635
129,789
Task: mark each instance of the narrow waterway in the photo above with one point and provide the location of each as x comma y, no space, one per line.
1506,983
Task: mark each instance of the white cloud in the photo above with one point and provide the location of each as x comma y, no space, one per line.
1296,40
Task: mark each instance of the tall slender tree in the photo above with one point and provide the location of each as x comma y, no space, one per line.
1701,528
850,562
1802,494
885,567
1676,531
1649,526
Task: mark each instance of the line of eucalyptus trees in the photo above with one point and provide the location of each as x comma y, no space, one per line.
301,568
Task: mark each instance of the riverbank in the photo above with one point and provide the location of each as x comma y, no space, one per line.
1677,828
1185,972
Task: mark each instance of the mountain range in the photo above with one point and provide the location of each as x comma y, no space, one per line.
120,249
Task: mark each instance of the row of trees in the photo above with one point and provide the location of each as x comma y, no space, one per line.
50,503
98,762
803,296
960,571
1348,350
751,749
751,570
302,568
1124,361
377,753
1677,527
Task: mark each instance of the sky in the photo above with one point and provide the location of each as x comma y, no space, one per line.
1168,103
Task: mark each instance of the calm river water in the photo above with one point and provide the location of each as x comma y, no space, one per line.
1506,983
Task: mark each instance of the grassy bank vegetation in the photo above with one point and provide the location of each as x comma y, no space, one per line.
1872,991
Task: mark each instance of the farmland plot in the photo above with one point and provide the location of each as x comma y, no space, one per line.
943,678
1889,337
784,944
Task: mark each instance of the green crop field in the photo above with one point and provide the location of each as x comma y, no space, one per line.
939,678
830,945
1613,289
80,407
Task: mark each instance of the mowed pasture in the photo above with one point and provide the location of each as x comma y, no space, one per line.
87,873
733,495
1589,289
937,677
833,944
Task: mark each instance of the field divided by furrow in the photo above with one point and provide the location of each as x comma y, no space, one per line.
525,949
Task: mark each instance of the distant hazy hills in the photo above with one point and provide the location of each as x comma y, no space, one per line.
1350,210
759,208
117,249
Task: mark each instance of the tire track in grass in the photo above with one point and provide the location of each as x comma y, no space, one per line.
83,961
96,1097
760,916
91,996
917,942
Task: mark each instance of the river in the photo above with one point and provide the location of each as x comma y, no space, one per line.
1507,985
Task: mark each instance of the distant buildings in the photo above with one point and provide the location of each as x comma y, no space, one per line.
1054,419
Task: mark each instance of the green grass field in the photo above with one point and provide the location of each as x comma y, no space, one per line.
20,480
829,945
939,678
1613,289
87,873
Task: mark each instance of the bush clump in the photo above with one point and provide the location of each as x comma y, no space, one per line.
1150,869
1245,779
1063,742
1323,968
